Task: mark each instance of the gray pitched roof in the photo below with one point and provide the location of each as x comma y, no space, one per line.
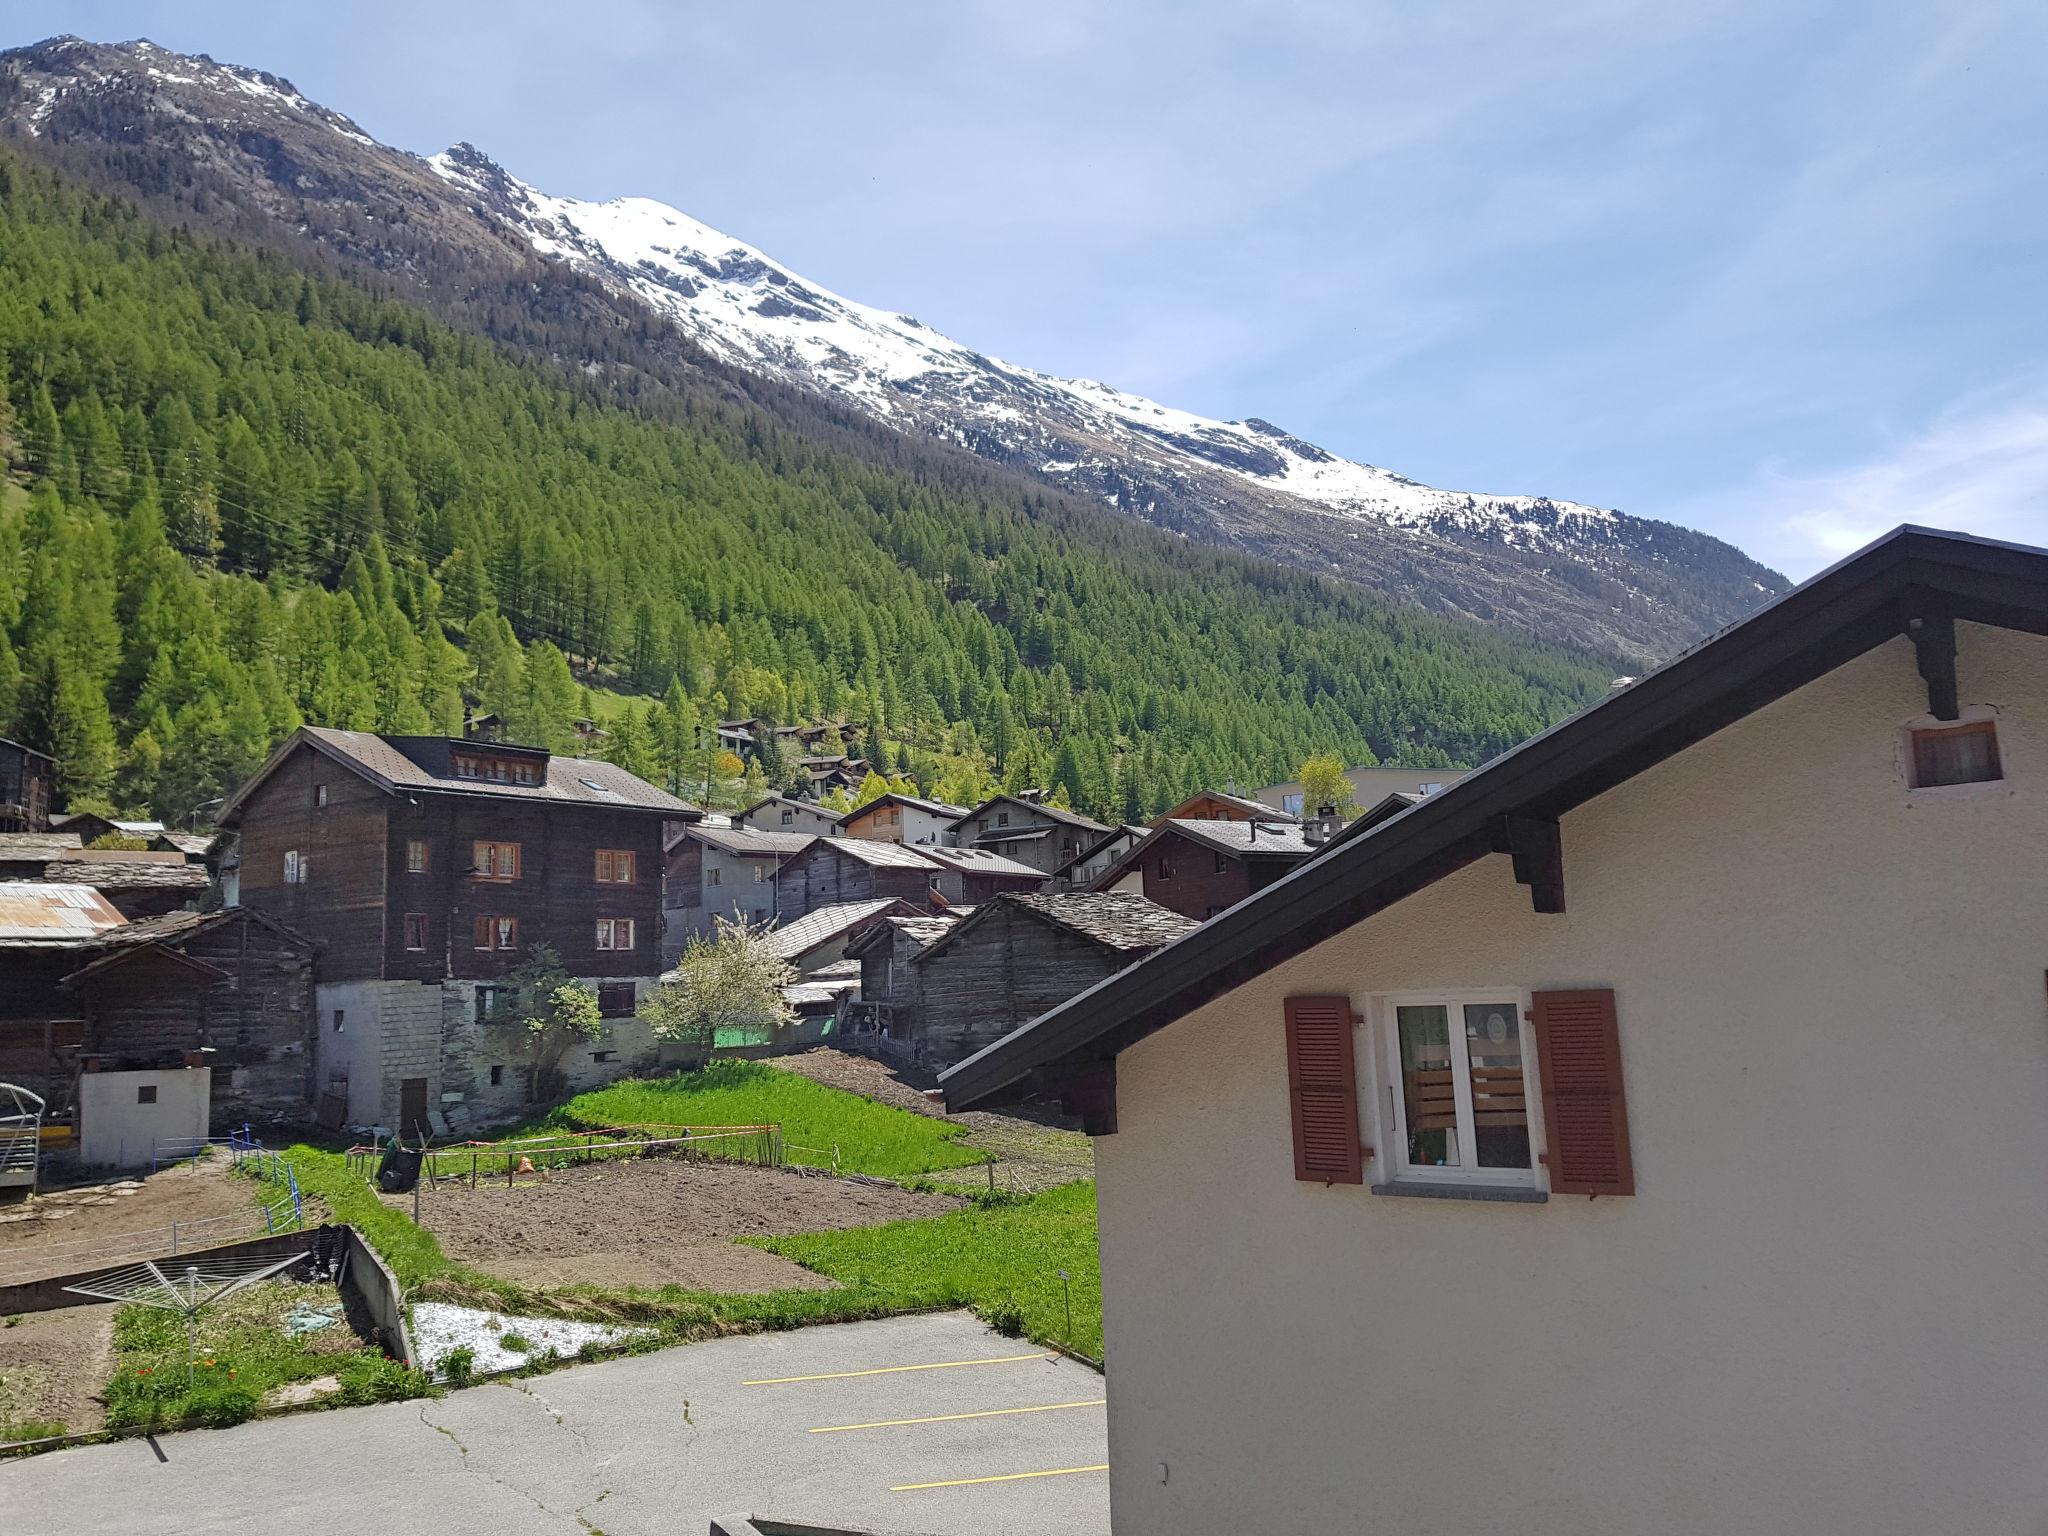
979,861
879,854
746,843
1070,818
1119,920
417,763
126,874
37,847
1247,839
826,923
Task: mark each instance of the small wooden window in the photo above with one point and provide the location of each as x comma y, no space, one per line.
319,794
495,861
760,874
491,1003
1956,754
497,933
615,933
788,817
416,856
415,930
615,866
497,1076
713,875
339,1016
600,1055
616,999
1166,869
146,1094
1222,863
294,867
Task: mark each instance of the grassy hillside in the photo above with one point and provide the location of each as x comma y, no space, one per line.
259,496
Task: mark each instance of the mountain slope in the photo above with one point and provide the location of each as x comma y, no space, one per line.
246,150
237,496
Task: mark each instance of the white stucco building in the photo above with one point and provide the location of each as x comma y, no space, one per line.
1642,1134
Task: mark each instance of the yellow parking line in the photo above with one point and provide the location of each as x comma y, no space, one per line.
947,1418
891,1370
1007,1477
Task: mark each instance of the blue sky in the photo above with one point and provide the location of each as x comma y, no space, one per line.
1774,270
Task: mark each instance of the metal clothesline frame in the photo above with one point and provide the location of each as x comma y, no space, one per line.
189,1289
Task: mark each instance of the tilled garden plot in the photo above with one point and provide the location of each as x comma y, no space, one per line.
656,1221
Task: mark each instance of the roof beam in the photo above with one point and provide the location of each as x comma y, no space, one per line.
1934,643
1537,848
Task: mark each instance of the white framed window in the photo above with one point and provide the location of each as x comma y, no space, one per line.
1458,1098
294,867
615,933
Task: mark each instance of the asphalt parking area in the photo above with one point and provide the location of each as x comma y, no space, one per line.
929,1424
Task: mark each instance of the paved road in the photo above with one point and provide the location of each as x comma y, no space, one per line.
657,1443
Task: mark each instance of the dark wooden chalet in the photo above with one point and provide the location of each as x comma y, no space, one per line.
232,990
835,870
27,779
1200,868
891,988
425,857
822,937
1012,958
1215,805
969,876
1029,831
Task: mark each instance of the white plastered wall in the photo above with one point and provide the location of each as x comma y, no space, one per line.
1823,1309
118,1130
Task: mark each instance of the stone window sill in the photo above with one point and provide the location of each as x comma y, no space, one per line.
1511,1194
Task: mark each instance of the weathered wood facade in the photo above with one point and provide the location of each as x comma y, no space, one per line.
233,986
1018,955
410,882
1201,868
834,871
27,778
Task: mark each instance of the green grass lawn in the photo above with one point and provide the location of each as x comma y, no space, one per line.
243,1352
1002,1259
870,1138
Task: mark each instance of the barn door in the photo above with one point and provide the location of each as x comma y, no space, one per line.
412,1109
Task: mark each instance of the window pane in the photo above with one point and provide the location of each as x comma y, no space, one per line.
1956,755
1428,1093
1500,1107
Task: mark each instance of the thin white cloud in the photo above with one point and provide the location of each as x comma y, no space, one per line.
1980,467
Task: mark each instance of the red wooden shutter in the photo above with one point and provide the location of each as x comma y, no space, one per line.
1585,1119
1323,1086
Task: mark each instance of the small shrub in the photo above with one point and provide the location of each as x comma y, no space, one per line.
518,1343
380,1379
459,1365
1005,1316
217,1407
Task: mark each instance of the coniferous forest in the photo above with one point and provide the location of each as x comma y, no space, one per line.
242,495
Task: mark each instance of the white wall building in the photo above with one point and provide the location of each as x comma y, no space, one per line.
1643,1134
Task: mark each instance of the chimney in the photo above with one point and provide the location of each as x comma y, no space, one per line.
1316,830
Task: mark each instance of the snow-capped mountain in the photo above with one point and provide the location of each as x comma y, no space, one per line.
267,161
748,309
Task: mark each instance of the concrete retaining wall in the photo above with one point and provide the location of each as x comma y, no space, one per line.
364,1273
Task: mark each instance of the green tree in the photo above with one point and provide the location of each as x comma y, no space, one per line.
553,1012
1323,783
82,740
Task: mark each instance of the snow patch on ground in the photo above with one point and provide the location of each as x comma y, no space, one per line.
439,1327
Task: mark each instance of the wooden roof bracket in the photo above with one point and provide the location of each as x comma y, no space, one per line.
1537,847
1932,629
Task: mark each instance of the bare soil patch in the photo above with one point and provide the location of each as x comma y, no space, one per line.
62,1230
53,1364
653,1222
